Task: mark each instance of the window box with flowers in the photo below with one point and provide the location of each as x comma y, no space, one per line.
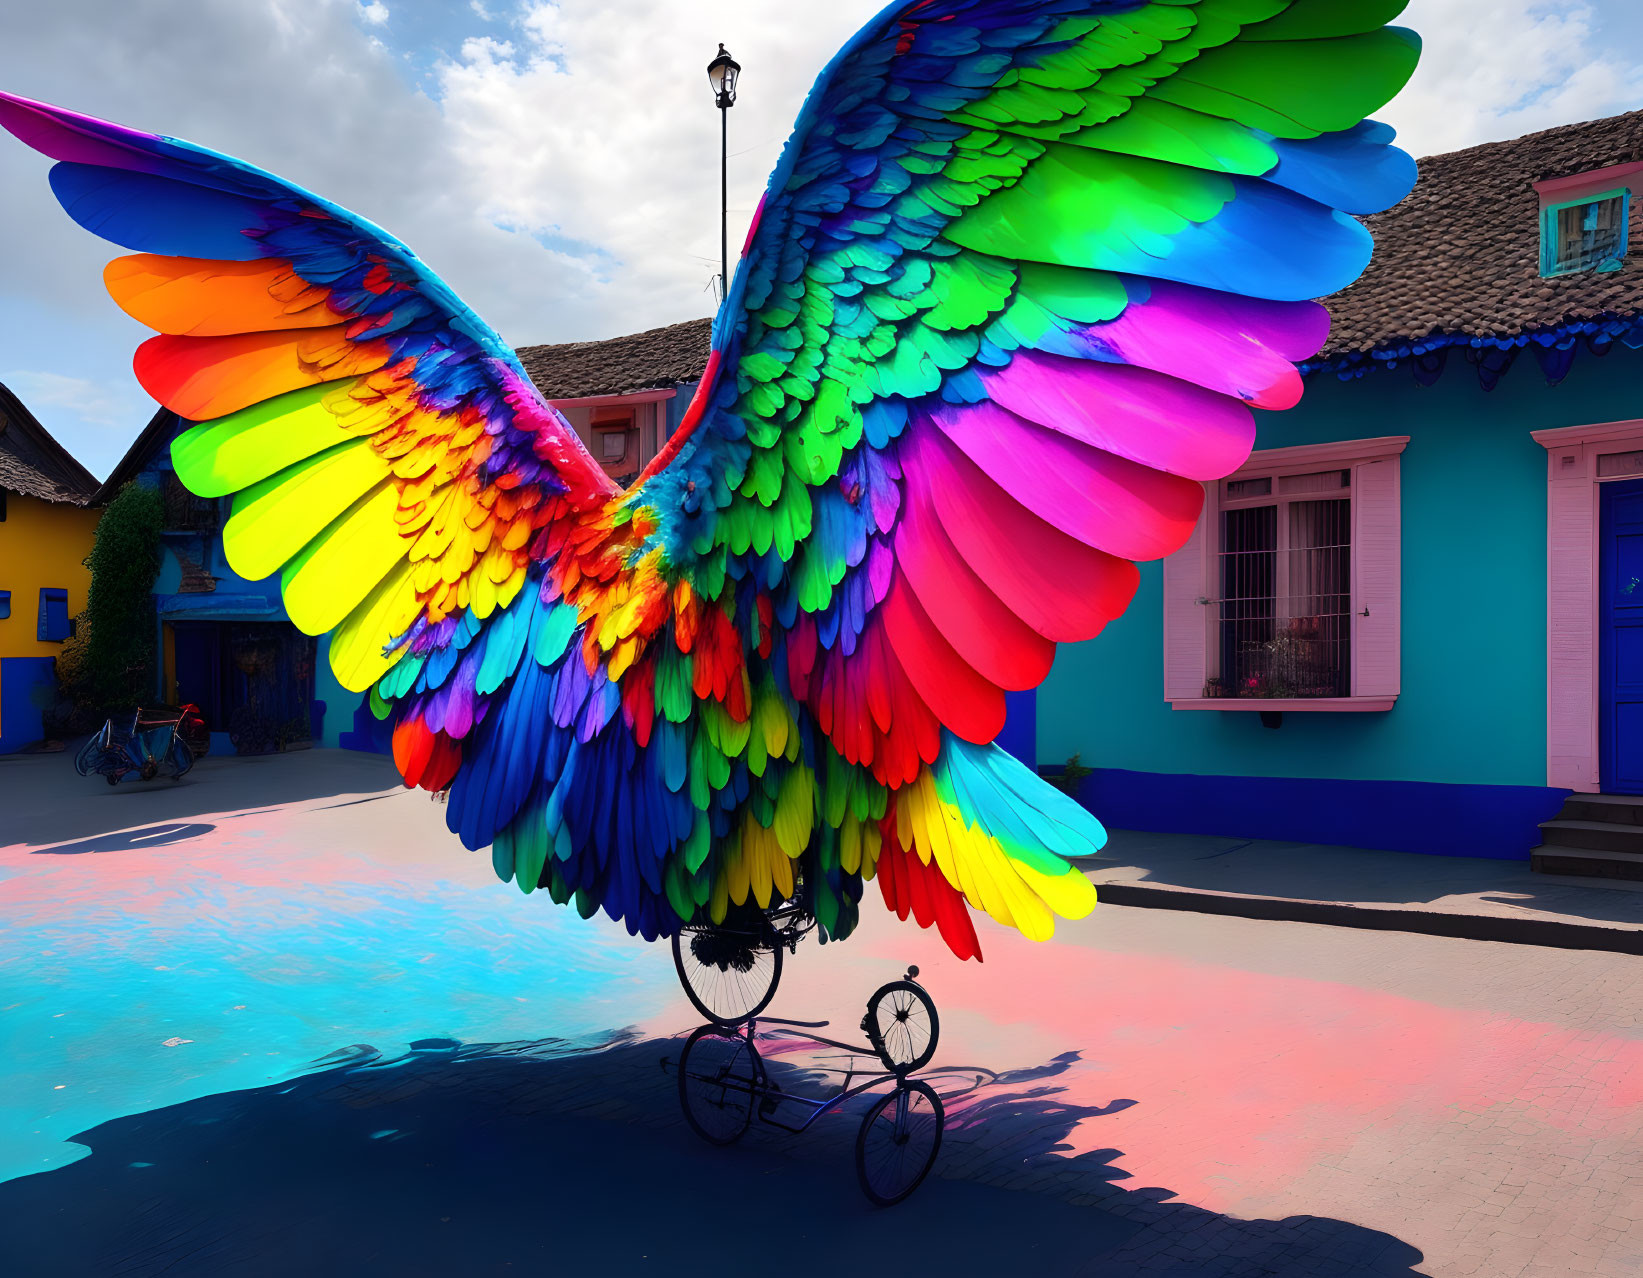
1288,595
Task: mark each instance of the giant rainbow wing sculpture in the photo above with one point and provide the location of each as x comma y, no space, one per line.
1020,276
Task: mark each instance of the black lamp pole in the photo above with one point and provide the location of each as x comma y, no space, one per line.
724,203
722,74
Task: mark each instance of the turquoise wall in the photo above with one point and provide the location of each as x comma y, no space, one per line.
1473,708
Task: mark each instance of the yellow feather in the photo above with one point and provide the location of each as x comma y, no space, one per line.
344,564
781,869
484,595
357,646
621,661
872,842
850,845
273,521
757,845
795,810
1070,895
774,722
956,852
719,903
736,869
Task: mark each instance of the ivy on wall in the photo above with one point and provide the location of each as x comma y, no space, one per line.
111,661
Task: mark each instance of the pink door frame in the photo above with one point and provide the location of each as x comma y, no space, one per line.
1571,595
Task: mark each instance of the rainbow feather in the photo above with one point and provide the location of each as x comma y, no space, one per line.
1021,275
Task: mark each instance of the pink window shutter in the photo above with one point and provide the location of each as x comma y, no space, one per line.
1377,579
1186,622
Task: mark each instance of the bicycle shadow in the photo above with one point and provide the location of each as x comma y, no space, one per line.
151,836
485,1158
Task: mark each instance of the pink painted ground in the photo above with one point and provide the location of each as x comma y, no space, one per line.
1479,1103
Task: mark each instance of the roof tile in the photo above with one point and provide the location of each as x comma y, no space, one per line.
1462,253
33,463
641,361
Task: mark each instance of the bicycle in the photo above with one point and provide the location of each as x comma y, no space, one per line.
723,1081
153,740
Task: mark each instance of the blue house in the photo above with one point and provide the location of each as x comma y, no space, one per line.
1413,620
226,643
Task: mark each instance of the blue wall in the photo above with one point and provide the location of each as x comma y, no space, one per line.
28,686
1473,708
236,599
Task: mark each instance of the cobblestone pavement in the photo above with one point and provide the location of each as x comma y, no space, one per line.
311,1038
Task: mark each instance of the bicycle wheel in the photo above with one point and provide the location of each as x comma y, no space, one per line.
729,975
902,1024
180,757
718,1073
898,1142
85,762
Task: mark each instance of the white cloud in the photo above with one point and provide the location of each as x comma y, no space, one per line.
1495,69
578,133
485,52
478,6
564,181
92,402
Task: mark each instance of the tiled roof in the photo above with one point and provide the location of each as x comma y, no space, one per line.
1462,254
33,463
642,361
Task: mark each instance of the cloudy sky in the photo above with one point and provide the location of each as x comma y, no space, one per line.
556,162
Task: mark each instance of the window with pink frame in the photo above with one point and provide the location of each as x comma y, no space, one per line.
1287,597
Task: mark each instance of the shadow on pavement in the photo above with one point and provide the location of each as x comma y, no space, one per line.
503,1158
47,803
1600,900
1309,872
153,836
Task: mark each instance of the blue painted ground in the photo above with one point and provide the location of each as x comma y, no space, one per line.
194,956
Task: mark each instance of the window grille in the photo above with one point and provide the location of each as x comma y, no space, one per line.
1285,622
1585,236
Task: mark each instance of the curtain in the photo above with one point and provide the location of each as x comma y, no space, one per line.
1320,597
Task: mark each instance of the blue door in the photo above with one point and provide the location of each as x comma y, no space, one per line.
1620,629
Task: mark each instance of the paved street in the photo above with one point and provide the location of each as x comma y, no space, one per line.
275,1020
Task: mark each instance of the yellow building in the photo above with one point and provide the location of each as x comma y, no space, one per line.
46,526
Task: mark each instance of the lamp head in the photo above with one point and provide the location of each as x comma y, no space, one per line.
722,74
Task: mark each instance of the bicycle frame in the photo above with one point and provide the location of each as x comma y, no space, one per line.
142,748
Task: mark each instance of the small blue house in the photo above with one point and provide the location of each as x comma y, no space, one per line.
226,643
1413,620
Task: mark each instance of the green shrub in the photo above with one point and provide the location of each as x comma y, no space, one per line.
110,662
1071,778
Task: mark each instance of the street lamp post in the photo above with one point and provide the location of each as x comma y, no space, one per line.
722,74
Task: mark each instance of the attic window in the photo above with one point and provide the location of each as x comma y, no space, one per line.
612,425
1585,235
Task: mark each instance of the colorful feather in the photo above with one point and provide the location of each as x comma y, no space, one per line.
1018,280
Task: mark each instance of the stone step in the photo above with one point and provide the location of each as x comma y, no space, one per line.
1597,863
1602,835
1612,809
